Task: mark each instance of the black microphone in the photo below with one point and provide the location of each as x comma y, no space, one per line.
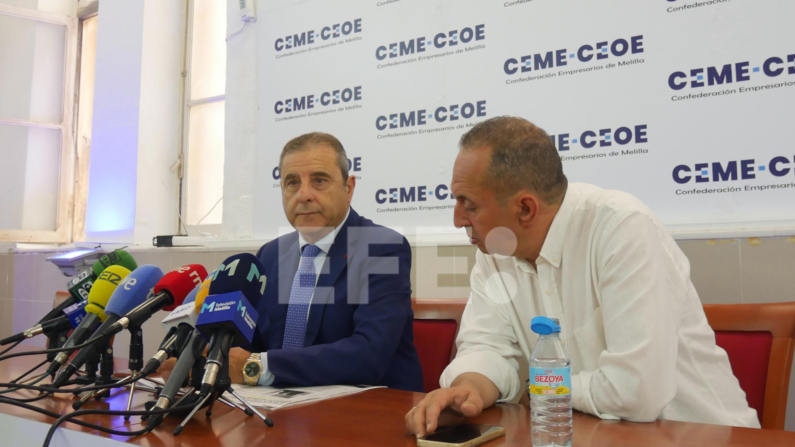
54,326
80,286
97,300
228,316
179,325
193,351
132,291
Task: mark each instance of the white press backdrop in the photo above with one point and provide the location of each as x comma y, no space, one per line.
685,104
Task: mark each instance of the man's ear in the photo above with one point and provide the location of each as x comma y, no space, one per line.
350,185
527,207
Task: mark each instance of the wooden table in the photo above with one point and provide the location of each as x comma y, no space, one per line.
373,418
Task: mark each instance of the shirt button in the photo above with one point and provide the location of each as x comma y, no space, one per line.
549,292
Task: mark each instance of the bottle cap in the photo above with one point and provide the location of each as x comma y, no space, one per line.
544,325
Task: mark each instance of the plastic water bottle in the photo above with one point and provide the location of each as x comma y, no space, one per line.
549,386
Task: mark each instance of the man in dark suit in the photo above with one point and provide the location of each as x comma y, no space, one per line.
337,302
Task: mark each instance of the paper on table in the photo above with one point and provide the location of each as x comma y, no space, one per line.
271,398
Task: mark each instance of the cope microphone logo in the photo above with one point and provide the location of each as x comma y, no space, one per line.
441,44
450,115
318,38
349,98
614,53
727,75
411,194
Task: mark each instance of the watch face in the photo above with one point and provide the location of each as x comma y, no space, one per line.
252,369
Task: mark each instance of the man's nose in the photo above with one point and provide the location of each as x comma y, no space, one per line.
458,217
305,192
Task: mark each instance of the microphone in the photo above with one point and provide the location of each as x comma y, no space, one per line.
132,292
80,286
74,315
193,350
98,298
179,325
169,292
227,316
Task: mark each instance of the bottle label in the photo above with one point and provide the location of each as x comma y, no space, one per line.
550,381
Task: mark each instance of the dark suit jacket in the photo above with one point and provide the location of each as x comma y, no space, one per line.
360,327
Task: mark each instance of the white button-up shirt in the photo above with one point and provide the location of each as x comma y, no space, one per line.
631,320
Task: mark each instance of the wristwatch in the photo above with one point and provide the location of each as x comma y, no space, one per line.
252,369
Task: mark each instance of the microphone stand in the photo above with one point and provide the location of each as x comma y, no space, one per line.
223,384
136,362
104,356
55,341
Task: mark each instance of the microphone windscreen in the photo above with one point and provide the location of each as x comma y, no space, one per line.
204,290
240,273
179,282
192,295
103,288
116,257
134,290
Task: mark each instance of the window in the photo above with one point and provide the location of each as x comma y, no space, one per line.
85,115
205,83
37,74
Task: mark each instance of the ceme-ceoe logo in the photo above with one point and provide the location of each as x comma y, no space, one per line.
772,67
585,53
441,114
440,40
748,169
413,194
326,32
603,137
354,165
329,98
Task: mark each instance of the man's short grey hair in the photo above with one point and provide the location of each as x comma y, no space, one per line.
523,156
308,140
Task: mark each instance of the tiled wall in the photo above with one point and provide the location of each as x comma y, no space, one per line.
28,284
723,271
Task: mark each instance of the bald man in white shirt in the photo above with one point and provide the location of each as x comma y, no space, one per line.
602,263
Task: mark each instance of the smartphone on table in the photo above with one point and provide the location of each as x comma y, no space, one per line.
464,435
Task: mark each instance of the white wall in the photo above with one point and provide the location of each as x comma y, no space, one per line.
159,119
137,114
240,133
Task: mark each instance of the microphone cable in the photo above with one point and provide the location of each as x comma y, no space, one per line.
37,380
59,419
29,371
51,390
71,418
11,347
52,351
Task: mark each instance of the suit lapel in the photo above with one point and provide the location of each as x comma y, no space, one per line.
336,261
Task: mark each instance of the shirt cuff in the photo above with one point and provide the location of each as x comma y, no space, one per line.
267,377
581,398
489,364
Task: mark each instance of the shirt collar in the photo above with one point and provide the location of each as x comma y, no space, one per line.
552,249
323,244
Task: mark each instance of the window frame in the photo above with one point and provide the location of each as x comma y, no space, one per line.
63,224
187,104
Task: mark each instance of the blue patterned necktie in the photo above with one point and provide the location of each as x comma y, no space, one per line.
300,297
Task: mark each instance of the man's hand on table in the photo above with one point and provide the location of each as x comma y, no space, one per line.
237,358
469,394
